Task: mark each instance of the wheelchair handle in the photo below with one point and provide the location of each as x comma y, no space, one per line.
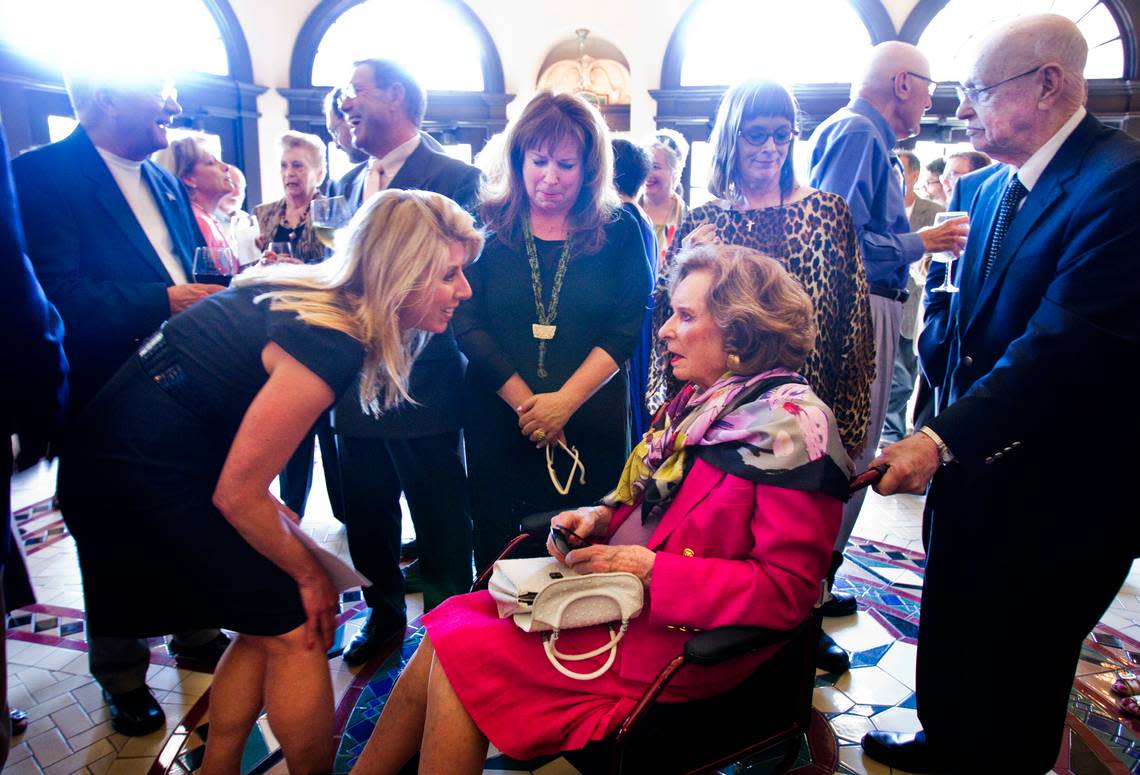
869,477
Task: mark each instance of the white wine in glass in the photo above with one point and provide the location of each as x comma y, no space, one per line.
328,215
948,259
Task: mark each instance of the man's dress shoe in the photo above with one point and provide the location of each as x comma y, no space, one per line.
840,604
901,751
206,654
135,713
413,581
829,657
19,720
409,550
373,637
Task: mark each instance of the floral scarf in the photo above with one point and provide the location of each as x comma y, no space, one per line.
768,427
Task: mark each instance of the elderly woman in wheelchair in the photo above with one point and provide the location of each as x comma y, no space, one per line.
727,511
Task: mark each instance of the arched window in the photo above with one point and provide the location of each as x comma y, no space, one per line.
185,33
949,33
199,42
446,59
442,42
807,41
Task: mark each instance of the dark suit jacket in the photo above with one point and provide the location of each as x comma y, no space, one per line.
1040,361
94,260
438,373
35,388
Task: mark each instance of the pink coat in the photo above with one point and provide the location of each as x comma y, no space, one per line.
729,552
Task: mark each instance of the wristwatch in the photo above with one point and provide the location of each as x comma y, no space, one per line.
944,454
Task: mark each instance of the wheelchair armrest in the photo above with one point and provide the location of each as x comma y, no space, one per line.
537,525
715,646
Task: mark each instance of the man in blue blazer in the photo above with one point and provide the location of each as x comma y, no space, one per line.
417,449
1037,358
112,238
34,399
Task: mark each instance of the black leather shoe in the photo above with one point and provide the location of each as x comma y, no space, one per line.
409,551
372,639
413,581
135,713
829,657
19,720
840,604
206,654
901,751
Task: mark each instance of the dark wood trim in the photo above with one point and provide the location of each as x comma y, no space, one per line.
31,90
920,16
328,11
875,18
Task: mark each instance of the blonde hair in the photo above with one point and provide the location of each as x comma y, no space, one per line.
766,317
397,245
311,144
546,121
180,157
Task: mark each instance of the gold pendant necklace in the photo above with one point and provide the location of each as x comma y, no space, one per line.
544,330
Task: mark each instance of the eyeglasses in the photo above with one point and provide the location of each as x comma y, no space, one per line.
757,136
565,541
931,84
564,489
971,93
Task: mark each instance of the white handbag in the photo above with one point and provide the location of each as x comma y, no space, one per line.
543,595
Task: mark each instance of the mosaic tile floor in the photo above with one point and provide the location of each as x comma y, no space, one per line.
70,731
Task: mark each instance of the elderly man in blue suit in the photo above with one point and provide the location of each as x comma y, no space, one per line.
112,237
1037,358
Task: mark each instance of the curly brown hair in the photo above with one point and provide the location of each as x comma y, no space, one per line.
765,315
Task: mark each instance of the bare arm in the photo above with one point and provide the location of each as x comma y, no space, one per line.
277,420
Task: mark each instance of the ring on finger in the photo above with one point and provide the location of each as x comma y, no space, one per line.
540,435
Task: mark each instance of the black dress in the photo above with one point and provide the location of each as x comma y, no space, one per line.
602,303
156,555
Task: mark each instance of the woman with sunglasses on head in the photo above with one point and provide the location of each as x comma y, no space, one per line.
727,511
559,297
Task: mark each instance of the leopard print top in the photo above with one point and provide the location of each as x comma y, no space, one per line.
815,240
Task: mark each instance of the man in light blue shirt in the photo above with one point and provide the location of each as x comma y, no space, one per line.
852,156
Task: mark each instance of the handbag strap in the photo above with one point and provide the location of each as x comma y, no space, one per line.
553,656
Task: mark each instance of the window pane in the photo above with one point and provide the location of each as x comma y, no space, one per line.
181,34
946,37
60,127
445,56
730,40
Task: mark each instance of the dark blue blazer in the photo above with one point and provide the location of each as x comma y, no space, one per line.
35,390
93,258
438,372
1039,363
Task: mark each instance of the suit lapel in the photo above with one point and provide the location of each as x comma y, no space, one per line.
693,491
171,207
106,194
1049,188
983,211
413,172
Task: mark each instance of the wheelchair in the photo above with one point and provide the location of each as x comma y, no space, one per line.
769,711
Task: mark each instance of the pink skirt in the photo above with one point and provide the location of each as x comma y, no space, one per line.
518,700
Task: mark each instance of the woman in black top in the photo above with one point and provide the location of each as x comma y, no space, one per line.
559,297
190,432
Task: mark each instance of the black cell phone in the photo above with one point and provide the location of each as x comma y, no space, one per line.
567,540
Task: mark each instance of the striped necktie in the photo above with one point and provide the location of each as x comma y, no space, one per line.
1012,197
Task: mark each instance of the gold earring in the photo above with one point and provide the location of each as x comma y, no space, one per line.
733,363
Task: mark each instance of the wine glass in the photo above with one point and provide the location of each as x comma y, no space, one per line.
327,216
947,258
216,266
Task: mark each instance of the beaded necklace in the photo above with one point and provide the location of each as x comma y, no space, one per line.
294,231
544,329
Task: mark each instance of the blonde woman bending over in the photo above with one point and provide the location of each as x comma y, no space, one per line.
193,428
